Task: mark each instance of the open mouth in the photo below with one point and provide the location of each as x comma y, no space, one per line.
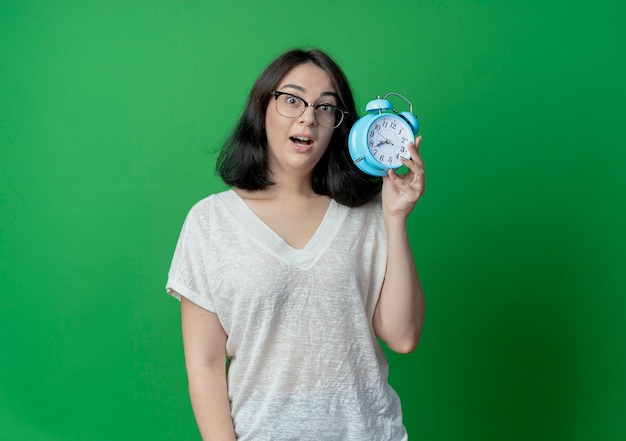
301,140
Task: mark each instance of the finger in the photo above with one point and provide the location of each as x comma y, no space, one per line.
398,181
414,146
418,142
393,176
414,151
411,166
416,169
415,164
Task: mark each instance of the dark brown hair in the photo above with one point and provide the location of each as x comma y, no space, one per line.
243,159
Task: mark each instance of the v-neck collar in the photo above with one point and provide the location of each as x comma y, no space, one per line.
262,234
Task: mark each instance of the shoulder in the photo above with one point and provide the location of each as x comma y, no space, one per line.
372,207
212,200
202,211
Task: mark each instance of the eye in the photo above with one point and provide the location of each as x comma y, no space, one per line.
292,100
326,108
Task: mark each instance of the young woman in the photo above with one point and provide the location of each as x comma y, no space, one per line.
295,272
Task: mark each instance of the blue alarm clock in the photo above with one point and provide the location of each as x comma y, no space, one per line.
379,139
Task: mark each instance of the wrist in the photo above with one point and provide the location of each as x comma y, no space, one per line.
395,222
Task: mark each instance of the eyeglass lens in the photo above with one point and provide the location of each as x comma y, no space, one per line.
292,106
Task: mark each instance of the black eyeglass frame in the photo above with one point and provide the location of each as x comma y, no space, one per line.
315,106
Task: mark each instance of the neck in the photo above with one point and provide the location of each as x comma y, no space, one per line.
289,185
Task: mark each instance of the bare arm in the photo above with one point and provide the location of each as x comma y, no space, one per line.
399,314
204,341
400,311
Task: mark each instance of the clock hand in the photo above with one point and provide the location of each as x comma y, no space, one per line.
386,141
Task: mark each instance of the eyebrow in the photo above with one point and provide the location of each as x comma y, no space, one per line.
303,90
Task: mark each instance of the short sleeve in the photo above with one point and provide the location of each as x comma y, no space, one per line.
188,273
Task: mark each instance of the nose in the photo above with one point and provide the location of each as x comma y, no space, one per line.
307,117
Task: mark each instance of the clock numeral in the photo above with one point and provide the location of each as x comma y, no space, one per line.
393,124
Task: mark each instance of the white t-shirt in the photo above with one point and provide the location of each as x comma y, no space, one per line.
305,362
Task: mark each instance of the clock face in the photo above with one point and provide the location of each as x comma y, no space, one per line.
388,140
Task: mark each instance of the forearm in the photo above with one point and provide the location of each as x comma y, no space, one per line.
209,400
400,310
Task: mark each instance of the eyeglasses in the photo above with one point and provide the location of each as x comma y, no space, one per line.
292,106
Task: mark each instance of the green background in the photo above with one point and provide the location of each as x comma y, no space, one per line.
111,113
